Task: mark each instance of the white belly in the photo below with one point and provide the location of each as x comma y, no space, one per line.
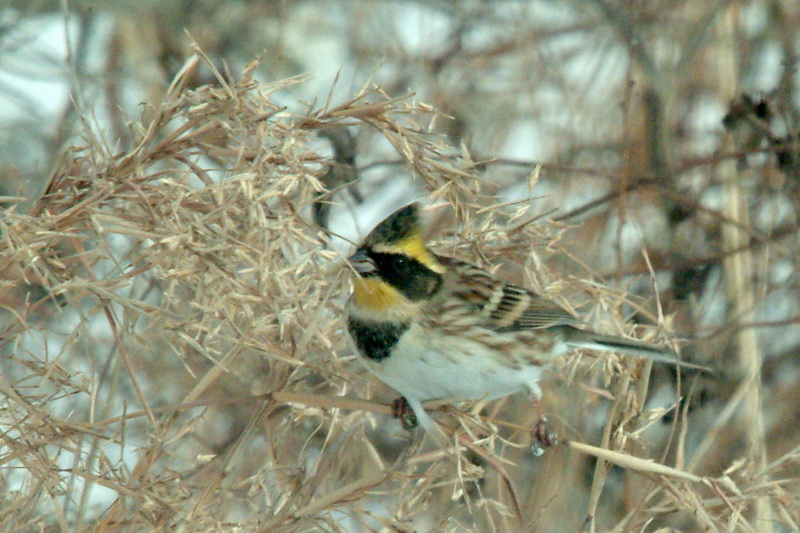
432,367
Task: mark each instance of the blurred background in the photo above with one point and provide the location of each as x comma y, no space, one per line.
636,161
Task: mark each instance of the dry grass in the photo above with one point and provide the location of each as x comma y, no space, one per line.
172,337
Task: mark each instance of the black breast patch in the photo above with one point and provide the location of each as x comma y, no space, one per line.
375,339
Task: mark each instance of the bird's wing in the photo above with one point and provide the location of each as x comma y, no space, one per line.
502,306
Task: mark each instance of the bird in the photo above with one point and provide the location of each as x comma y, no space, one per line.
436,328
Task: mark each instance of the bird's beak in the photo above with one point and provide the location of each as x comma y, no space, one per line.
361,262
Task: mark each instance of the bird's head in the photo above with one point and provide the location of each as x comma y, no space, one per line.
393,265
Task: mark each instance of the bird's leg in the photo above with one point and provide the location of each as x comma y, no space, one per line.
402,411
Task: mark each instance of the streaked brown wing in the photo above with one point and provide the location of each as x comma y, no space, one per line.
503,306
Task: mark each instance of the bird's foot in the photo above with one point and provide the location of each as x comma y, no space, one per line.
402,411
543,437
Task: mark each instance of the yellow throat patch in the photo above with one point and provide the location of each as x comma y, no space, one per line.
375,295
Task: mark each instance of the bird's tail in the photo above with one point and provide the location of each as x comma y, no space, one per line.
578,338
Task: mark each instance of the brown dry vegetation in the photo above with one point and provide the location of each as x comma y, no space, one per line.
172,326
